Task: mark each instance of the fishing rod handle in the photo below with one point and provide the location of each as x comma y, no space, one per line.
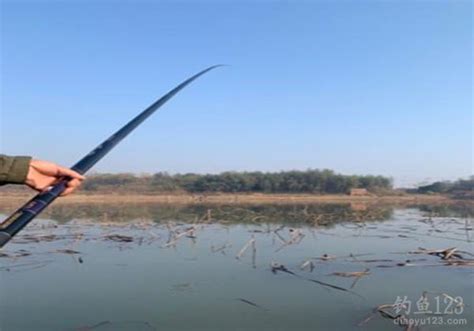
25,214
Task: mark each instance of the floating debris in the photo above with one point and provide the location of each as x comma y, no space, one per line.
406,263
25,266
295,238
119,238
444,254
221,248
307,264
248,302
67,251
249,243
175,236
326,257
279,236
384,310
460,263
334,287
275,266
449,257
351,274
328,285
20,253
28,238
357,274
373,260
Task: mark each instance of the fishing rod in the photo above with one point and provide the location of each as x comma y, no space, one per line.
24,215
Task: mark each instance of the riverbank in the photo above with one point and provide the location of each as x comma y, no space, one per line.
17,198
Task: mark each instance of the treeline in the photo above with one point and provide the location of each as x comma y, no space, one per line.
447,187
310,181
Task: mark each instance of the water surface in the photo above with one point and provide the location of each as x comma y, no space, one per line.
210,268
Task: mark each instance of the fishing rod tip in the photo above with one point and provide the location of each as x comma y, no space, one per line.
219,65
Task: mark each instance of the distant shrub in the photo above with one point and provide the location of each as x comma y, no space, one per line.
309,181
457,187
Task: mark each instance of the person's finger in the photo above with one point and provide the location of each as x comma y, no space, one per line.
74,183
69,172
69,190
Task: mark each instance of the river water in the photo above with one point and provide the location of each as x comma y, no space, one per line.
240,268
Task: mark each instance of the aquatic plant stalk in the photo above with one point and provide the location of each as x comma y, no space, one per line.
24,215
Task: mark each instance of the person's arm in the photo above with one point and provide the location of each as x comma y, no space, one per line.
14,170
37,174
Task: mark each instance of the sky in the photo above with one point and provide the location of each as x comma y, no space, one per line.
360,87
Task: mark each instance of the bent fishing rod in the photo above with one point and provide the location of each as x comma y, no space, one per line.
24,215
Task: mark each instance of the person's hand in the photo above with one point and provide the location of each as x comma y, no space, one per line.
43,174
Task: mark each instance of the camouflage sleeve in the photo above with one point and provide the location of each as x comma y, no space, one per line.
13,169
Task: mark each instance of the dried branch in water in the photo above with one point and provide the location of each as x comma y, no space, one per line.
460,263
307,264
67,251
174,237
275,266
250,303
333,286
119,238
220,249
445,254
351,274
246,246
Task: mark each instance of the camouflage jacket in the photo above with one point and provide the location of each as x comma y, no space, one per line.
13,169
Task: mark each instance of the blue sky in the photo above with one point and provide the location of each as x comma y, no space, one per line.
361,87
